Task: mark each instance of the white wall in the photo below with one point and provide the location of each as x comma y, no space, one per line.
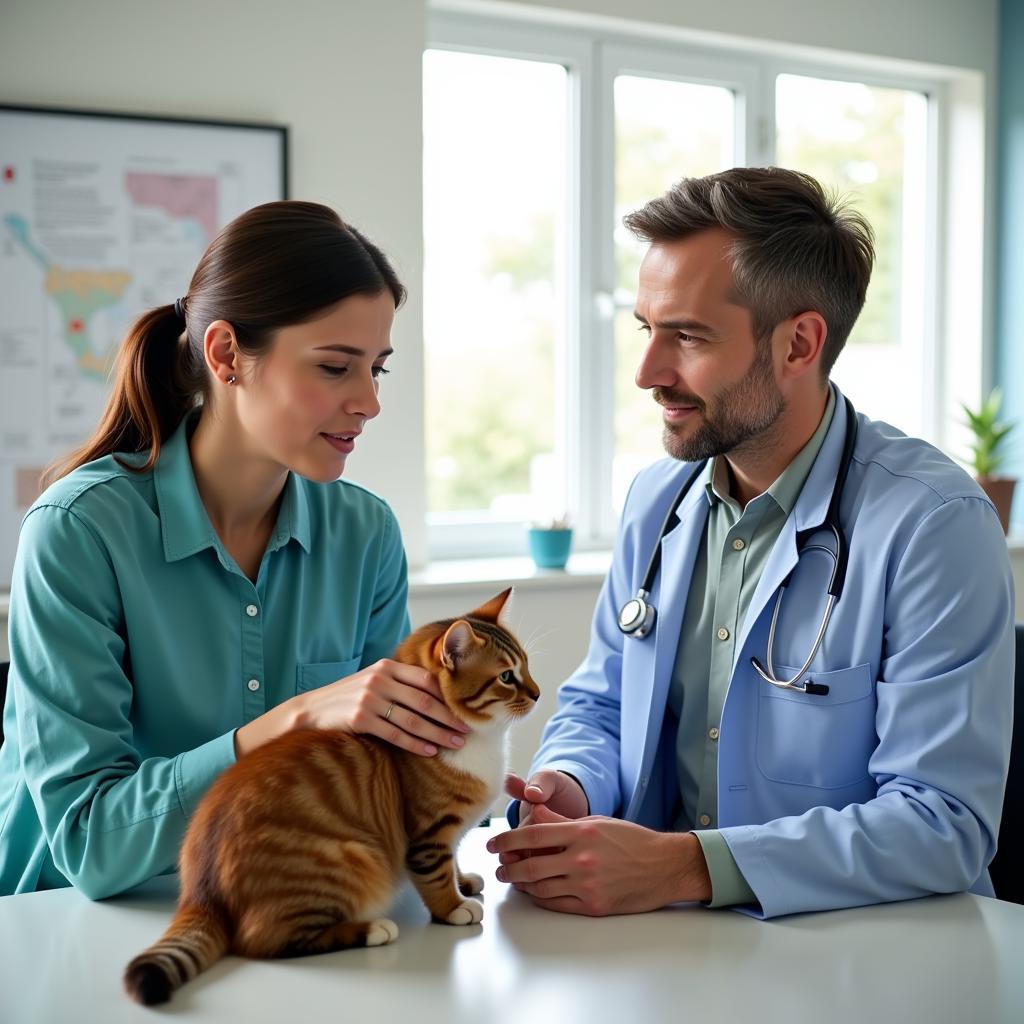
343,76
959,33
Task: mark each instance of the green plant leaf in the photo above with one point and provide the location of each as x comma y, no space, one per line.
988,432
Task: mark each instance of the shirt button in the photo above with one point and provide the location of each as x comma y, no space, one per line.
252,611
253,684
738,544
713,732
705,819
723,633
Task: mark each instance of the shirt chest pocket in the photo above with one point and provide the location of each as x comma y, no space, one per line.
312,675
822,741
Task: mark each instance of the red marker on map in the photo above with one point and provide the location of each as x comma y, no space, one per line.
76,326
9,173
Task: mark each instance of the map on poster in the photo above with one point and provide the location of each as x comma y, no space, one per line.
101,217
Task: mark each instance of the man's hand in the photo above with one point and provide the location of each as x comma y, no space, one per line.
598,866
555,790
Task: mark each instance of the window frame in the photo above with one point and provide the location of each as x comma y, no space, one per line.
934,345
593,58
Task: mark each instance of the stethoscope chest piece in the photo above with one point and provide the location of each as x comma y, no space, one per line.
636,617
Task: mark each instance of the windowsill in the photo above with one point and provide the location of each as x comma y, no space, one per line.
585,568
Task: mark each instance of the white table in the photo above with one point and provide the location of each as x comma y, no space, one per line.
947,958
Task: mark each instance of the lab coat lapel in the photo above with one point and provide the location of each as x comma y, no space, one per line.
779,565
651,662
678,554
810,511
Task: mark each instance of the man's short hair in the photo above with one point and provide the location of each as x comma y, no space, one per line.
797,248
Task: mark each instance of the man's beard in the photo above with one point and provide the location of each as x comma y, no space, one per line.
743,411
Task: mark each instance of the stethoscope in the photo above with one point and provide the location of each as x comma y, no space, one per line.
637,616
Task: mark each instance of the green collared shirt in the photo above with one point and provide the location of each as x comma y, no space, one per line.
732,556
138,647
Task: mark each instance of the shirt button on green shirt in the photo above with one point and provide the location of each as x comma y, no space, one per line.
138,647
732,555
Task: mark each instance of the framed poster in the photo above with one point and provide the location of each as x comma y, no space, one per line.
102,216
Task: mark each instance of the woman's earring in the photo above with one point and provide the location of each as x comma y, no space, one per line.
232,378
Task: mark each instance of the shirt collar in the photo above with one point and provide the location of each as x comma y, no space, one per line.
788,484
293,518
184,522
717,488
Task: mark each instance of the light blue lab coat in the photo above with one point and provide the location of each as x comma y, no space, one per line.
888,788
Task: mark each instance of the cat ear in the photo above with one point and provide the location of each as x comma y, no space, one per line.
457,642
496,610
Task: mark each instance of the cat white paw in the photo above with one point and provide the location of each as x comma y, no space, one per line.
471,883
382,932
467,912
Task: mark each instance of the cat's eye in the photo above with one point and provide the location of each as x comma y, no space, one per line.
506,676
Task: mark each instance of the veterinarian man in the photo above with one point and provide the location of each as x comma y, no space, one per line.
798,690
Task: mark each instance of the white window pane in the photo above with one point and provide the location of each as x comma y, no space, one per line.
664,130
638,423
495,165
870,143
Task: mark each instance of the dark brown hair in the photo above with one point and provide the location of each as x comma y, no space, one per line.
274,266
797,248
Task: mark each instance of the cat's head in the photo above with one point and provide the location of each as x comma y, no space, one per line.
481,666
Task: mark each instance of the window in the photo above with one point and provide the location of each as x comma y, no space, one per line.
664,129
870,143
495,154
537,142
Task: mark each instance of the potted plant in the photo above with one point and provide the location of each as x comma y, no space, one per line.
550,542
987,455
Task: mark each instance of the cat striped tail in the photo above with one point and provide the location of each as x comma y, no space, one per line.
196,939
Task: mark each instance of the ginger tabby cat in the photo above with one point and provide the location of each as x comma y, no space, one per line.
299,846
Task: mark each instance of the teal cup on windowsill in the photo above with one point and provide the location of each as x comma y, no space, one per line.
550,548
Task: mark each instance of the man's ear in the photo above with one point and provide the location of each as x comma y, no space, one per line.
805,336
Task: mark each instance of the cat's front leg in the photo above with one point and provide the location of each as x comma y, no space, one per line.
432,868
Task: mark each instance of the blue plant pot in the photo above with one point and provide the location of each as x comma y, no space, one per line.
550,548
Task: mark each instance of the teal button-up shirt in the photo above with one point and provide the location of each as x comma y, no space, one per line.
138,647
735,548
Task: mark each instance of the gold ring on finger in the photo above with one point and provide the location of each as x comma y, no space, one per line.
391,707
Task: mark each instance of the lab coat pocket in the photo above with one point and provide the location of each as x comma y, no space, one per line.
313,675
822,741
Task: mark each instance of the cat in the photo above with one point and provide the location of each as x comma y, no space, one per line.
298,847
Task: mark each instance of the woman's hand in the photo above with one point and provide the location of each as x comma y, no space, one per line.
398,703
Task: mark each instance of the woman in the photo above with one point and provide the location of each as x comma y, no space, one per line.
197,580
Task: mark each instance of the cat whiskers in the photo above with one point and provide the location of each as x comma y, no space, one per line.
530,645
